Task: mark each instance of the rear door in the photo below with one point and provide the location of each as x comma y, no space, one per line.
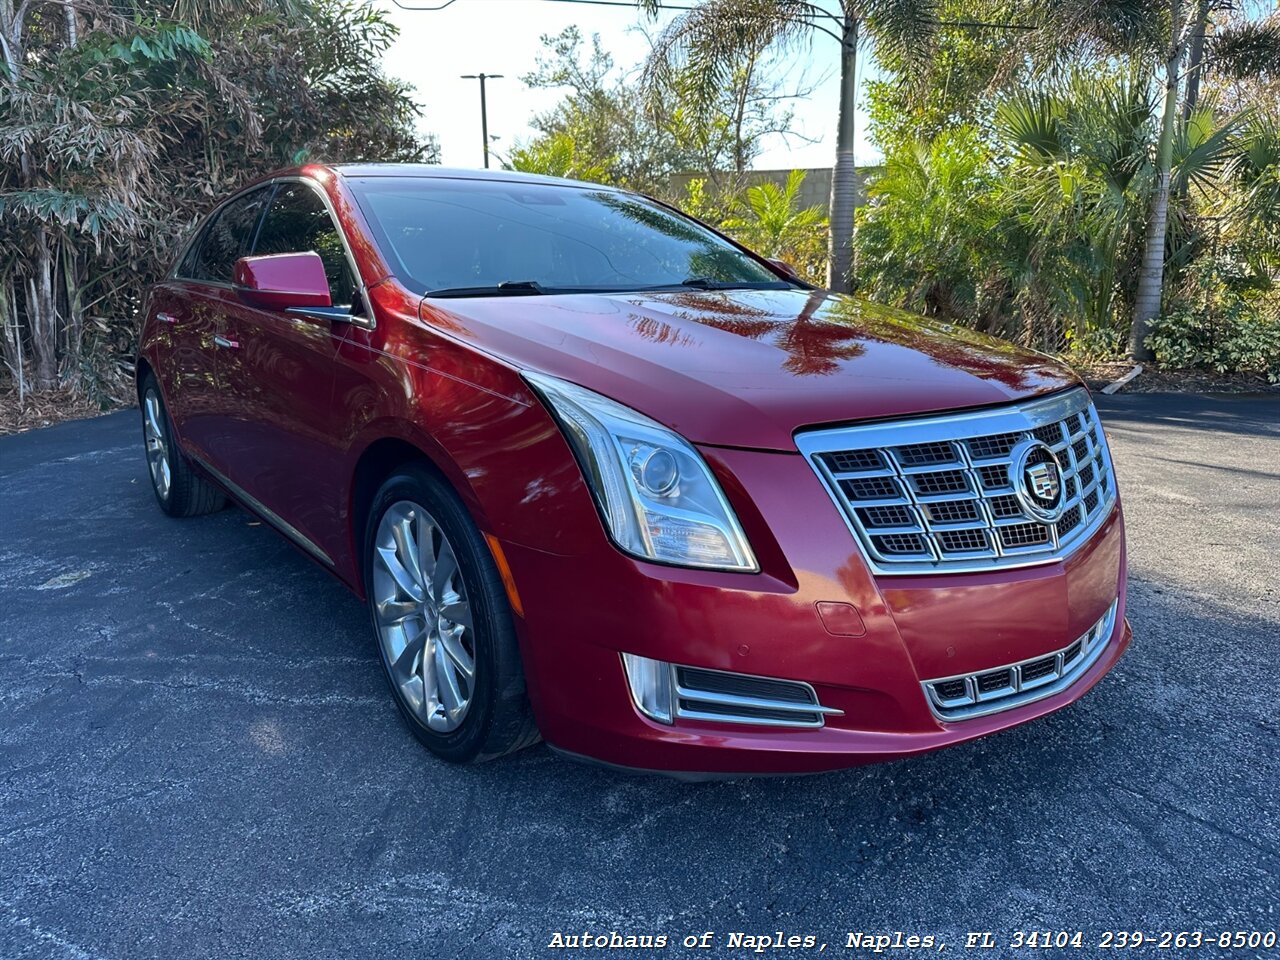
278,378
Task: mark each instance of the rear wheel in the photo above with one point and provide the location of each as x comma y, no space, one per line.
443,623
180,491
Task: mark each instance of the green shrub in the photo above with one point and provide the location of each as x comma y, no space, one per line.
928,237
767,218
1109,342
1232,334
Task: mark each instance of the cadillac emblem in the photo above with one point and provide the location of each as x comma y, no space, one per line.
1036,478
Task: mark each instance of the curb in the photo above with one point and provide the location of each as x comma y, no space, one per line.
1113,387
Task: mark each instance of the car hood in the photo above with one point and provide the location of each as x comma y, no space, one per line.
749,368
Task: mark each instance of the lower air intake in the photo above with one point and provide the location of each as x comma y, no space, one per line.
978,694
669,692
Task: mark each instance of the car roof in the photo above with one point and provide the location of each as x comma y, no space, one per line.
426,171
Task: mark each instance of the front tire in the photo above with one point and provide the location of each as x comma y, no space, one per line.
443,623
180,491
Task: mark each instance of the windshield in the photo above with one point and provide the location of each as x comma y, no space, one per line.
489,237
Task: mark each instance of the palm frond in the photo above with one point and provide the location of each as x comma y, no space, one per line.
1032,123
773,223
1203,148
1111,122
1070,28
702,47
1246,48
903,29
1255,173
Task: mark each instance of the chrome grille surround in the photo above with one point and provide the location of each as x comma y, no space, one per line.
969,695
935,494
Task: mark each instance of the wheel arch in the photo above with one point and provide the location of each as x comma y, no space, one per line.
379,459
141,370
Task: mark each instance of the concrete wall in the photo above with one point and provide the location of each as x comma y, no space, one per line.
814,192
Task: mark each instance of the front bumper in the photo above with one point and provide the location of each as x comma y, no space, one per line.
583,611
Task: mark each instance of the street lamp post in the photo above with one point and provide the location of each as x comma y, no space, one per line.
484,109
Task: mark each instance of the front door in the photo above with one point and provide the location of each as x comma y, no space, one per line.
278,378
200,301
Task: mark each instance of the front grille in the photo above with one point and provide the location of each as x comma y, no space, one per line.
739,698
1024,534
887,516
953,511
963,541
1036,669
940,481
978,694
924,453
951,689
855,460
935,494
993,681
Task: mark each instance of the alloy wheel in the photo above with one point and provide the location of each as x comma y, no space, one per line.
423,616
157,443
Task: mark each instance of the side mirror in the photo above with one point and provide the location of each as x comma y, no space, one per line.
282,280
785,267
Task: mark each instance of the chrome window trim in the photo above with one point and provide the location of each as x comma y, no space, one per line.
368,321
976,704
1023,416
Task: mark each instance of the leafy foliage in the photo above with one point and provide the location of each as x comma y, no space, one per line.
1220,330
771,222
558,154
1254,175
1034,226
121,122
931,217
1040,227
610,130
967,66
700,50
1076,193
1247,48
601,130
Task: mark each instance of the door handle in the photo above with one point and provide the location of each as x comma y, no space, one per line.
163,317
222,341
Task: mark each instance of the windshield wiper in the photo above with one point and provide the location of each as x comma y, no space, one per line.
508,288
706,283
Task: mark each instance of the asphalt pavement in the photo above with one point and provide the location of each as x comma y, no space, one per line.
199,758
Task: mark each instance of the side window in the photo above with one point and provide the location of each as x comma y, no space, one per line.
226,239
188,265
297,222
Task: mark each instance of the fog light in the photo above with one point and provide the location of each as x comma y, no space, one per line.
652,686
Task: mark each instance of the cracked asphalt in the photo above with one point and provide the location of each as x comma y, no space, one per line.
198,757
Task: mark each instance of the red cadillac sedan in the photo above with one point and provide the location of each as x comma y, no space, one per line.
607,478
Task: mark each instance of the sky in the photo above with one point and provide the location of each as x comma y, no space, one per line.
502,37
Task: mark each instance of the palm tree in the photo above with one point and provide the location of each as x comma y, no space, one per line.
1084,177
715,36
1159,31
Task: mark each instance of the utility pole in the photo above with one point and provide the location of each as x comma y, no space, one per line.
484,109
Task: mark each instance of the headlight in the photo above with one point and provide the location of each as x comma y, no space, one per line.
657,496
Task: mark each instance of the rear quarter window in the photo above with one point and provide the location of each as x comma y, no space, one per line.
226,238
